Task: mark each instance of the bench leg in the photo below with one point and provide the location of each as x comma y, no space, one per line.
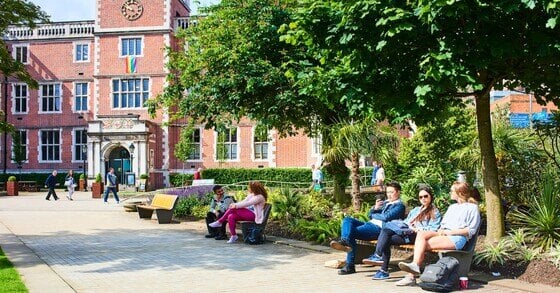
145,213
164,217
465,260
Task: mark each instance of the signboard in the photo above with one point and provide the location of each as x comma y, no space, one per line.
130,179
519,120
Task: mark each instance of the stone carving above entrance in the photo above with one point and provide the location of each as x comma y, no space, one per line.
118,124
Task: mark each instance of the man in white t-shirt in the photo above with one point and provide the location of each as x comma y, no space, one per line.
380,175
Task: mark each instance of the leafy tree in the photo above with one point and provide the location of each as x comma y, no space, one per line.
445,50
433,143
548,133
235,66
17,12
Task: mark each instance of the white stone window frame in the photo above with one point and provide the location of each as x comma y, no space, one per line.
75,52
26,147
40,145
59,84
75,143
238,146
17,47
75,96
120,46
254,142
120,92
14,98
316,145
201,149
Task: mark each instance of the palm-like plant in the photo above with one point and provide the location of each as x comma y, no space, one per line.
517,152
351,139
542,219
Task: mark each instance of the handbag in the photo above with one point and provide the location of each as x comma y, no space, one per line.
399,227
68,182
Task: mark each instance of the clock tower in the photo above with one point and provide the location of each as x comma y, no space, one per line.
130,39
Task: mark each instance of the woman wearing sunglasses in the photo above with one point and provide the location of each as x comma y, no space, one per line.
459,224
423,218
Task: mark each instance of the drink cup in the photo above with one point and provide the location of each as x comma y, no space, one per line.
464,283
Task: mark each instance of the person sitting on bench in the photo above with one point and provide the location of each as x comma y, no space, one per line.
459,224
249,209
218,207
423,218
352,229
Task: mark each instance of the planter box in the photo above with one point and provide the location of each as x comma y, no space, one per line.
12,188
82,185
96,190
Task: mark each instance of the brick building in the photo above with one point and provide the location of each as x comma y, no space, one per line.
88,113
522,108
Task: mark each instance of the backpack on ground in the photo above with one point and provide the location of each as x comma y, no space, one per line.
255,235
442,276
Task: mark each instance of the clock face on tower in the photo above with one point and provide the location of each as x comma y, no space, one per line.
132,9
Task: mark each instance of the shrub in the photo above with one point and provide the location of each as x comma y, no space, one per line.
12,179
542,219
144,176
98,178
83,176
493,254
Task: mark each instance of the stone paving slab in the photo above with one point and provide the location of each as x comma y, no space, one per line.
94,247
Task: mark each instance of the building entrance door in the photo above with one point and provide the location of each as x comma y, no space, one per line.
119,159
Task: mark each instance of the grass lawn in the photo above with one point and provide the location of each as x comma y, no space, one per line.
9,277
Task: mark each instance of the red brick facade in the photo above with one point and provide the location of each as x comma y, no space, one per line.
85,87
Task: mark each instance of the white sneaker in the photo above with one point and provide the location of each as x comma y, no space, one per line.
232,239
410,268
406,281
216,225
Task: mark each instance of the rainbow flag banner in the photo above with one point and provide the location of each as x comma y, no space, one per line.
130,64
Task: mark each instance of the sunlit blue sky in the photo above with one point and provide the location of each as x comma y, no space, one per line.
68,10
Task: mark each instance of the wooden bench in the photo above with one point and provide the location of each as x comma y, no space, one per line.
28,186
464,256
202,182
246,225
163,204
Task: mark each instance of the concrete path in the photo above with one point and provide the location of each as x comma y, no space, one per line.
87,246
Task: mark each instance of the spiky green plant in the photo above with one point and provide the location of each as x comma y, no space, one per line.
493,254
542,220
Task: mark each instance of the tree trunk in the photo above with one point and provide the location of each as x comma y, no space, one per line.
337,169
494,211
356,181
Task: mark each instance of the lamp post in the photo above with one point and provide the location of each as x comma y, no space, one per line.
84,157
131,147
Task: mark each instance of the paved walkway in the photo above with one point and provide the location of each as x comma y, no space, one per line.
87,246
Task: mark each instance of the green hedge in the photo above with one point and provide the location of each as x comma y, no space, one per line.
40,178
234,175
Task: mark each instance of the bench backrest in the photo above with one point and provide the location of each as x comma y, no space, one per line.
266,212
201,182
471,244
165,201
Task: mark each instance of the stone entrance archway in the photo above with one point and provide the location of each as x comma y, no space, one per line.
119,159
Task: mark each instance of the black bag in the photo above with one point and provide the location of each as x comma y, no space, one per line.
255,235
442,276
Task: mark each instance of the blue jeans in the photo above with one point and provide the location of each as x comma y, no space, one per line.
353,229
388,237
106,195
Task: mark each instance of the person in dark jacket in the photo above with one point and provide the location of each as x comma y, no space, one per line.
353,229
220,203
50,183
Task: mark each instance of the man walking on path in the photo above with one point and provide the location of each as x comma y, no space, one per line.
51,184
111,182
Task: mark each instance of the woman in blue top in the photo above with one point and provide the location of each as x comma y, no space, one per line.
459,224
423,218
